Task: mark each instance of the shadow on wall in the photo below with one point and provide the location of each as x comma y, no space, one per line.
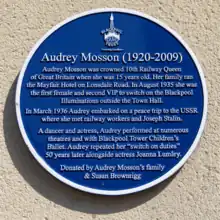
53,189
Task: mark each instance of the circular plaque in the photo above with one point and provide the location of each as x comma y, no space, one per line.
111,101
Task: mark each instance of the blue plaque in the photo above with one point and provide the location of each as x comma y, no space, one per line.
111,101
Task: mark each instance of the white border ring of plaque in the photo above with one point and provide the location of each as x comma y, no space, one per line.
105,192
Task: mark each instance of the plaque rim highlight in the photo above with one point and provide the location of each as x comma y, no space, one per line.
111,192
